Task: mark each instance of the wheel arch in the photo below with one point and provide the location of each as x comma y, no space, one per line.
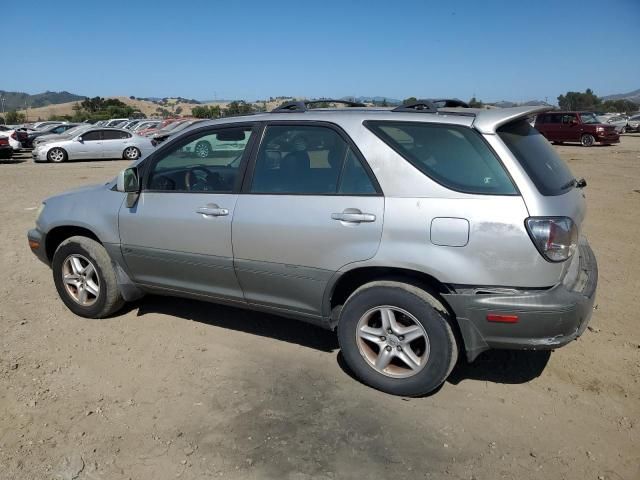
59,234
344,285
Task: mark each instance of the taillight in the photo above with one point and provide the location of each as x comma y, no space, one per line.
4,141
555,238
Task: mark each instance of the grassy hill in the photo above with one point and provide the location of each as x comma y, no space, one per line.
17,100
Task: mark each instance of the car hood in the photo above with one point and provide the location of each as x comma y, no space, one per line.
79,191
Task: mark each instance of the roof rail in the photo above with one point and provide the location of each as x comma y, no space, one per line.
301,106
430,105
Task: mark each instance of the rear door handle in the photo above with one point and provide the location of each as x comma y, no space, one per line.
353,215
213,210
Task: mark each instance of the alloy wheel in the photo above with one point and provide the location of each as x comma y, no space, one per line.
56,155
80,280
392,341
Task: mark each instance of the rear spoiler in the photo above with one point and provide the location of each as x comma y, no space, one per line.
488,121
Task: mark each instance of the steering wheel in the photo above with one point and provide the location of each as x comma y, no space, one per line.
191,179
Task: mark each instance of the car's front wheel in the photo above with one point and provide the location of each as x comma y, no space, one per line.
85,278
57,155
587,140
394,338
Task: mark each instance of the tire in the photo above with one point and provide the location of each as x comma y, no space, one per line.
623,131
434,347
202,149
57,155
101,278
131,153
587,140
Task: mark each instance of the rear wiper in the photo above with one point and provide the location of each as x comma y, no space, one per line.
578,183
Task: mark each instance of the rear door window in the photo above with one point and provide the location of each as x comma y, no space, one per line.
539,159
454,156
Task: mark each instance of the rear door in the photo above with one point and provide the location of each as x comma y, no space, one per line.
113,143
310,205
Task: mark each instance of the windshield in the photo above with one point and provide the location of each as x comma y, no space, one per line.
589,118
539,159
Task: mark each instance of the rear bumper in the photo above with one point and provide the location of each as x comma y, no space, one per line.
546,319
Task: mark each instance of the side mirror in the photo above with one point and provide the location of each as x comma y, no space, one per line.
79,139
128,181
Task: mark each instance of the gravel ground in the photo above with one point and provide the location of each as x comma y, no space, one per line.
182,389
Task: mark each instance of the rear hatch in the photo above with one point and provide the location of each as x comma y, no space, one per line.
558,192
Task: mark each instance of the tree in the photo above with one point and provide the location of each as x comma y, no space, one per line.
2,121
474,103
619,106
238,107
579,101
409,100
178,110
13,117
206,111
384,103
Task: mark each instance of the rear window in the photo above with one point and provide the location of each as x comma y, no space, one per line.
454,156
539,159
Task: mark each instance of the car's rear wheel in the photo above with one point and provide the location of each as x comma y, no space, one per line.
394,339
85,278
131,153
203,149
624,130
57,155
587,140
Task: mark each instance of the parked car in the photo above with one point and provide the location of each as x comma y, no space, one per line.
146,124
583,127
479,247
619,122
12,136
72,132
52,129
162,135
41,125
633,124
95,143
114,122
5,149
162,125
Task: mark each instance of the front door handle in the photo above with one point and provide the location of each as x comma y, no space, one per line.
353,215
213,210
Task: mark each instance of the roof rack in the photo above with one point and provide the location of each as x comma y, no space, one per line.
430,105
301,106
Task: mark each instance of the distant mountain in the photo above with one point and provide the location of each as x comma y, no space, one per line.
18,100
631,96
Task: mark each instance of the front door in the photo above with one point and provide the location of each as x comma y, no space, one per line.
88,146
570,128
178,235
309,207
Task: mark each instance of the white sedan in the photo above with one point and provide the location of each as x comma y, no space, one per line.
95,143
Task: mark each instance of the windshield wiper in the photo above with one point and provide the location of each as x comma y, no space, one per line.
578,183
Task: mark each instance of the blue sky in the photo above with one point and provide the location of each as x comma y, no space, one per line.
512,50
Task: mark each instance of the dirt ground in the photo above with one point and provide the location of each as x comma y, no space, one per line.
182,389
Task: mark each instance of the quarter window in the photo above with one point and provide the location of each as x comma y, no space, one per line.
308,160
454,156
208,162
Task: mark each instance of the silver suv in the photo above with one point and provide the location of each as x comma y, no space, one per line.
416,232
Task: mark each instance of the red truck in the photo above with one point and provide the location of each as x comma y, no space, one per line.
583,127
